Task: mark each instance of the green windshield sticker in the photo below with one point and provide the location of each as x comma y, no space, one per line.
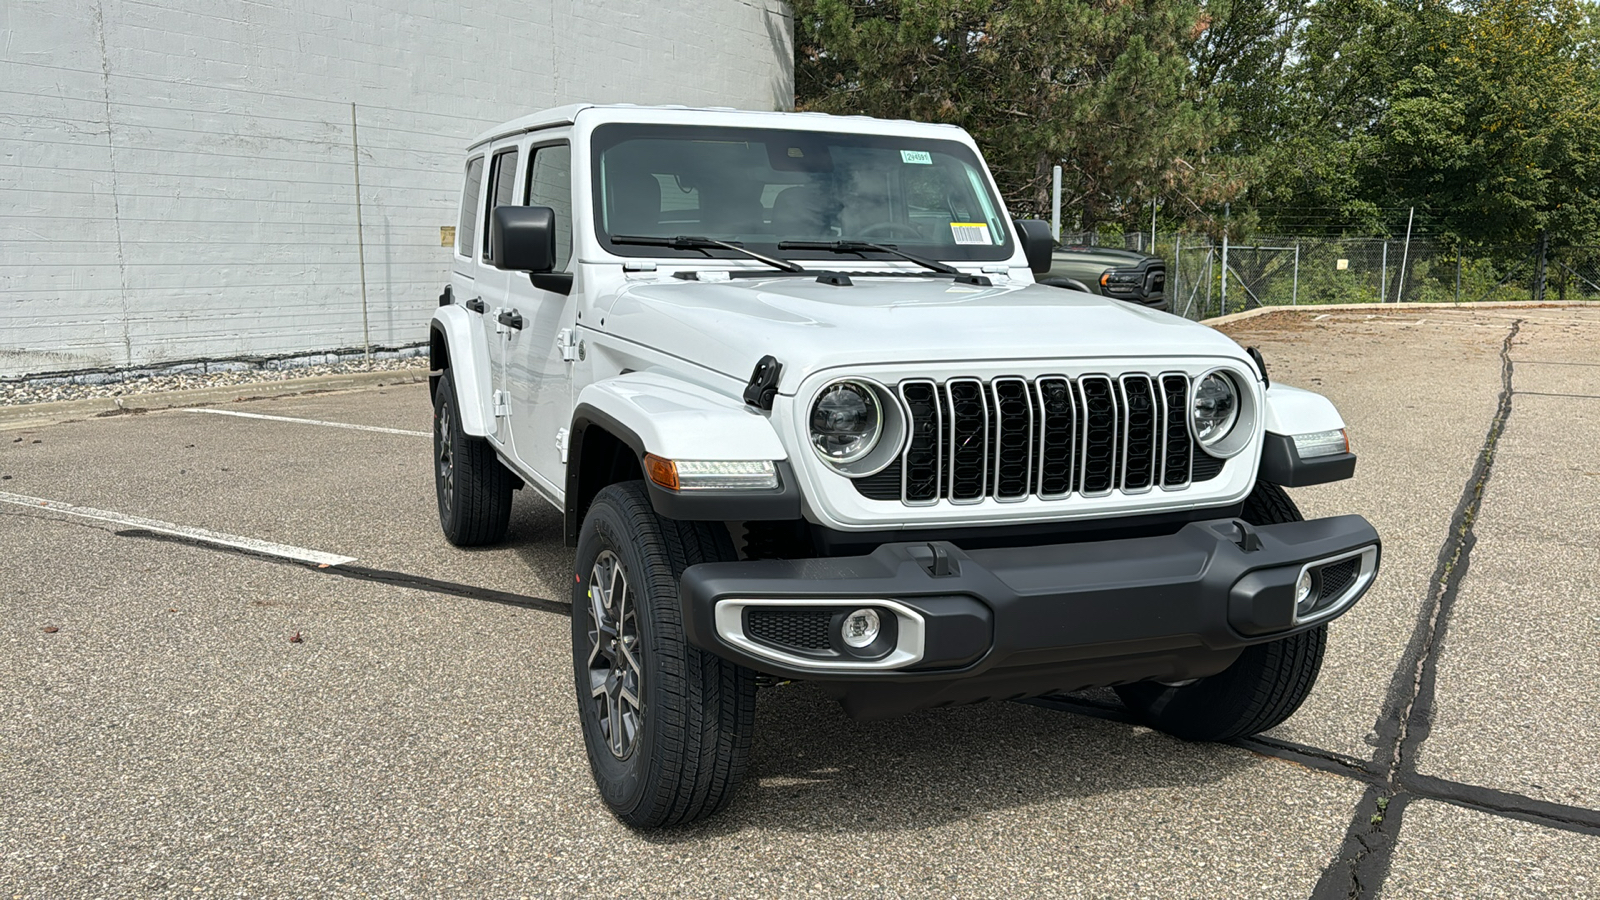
916,157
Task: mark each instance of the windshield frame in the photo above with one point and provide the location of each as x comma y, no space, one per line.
606,136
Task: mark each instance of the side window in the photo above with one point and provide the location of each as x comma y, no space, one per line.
502,186
550,184
469,207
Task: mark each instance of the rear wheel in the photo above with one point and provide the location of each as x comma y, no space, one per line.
1262,688
666,725
472,485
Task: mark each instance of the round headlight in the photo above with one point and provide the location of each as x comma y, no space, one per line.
846,422
1215,408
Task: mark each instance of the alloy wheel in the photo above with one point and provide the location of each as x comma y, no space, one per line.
616,671
446,460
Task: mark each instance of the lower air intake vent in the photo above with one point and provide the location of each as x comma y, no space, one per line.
1337,578
790,629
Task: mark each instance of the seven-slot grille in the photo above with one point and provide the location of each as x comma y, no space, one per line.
1049,437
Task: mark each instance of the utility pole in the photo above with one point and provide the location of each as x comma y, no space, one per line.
1294,291
1383,274
1226,210
1055,203
1538,279
361,242
1400,282
1152,225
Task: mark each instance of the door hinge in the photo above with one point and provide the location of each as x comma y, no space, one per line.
569,344
563,438
501,408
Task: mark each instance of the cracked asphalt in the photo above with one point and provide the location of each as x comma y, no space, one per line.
162,732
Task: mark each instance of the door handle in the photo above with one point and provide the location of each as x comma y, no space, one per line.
476,305
510,318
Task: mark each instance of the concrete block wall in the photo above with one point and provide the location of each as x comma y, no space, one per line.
177,180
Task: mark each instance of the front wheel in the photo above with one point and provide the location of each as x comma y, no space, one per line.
666,725
1262,688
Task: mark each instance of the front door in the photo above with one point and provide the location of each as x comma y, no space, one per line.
539,358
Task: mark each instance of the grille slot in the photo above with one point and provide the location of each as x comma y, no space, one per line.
1141,421
1050,437
969,439
1058,417
1013,439
1099,459
791,629
924,455
1177,447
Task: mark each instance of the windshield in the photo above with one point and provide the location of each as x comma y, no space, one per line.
760,187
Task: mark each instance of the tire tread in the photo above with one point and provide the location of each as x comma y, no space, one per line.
706,705
481,512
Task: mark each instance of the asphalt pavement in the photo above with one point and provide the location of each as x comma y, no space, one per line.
183,718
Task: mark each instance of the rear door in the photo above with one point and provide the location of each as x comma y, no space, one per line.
493,285
464,264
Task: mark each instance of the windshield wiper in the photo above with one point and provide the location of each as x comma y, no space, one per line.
858,247
689,242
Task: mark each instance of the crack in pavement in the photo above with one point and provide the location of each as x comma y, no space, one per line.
1362,865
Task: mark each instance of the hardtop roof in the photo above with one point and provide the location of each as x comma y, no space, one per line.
622,112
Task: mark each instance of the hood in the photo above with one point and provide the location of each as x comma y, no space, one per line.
1111,256
728,326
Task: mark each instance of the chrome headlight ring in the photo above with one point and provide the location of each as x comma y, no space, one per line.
1221,413
856,425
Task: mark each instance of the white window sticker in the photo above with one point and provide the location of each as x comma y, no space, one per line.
916,157
970,233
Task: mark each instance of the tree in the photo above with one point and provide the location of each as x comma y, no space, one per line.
1497,126
1101,87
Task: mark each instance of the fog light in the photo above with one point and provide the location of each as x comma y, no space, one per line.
860,628
1304,599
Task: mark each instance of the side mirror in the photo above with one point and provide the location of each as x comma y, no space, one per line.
523,238
1037,244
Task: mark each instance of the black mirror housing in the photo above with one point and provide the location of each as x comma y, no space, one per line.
523,238
1037,243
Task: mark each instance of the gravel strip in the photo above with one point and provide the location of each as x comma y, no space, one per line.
192,376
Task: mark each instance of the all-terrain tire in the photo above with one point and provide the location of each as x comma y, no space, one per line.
472,485
1262,688
684,751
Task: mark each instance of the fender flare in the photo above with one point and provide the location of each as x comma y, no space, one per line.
1291,411
650,412
469,366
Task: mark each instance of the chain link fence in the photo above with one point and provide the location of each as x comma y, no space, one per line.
1296,271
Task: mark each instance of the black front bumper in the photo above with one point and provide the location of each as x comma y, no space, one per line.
1015,622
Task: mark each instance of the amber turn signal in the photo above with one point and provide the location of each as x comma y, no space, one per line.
661,471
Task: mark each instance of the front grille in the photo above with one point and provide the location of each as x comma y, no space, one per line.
790,629
1049,437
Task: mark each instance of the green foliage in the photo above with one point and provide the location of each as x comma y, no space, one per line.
1482,114
1316,117
1101,87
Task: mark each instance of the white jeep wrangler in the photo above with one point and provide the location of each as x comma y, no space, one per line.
809,417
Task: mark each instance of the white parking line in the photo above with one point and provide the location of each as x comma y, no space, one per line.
216,538
246,415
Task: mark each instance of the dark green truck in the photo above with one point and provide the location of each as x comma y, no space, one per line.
1124,274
